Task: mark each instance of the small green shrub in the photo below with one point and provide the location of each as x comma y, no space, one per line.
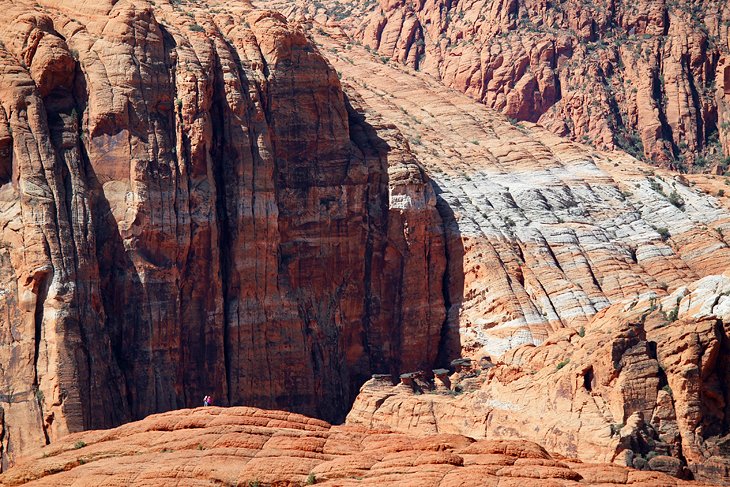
582,331
673,315
651,455
562,364
663,233
676,200
655,186
630,142
311,479
79,444
197,28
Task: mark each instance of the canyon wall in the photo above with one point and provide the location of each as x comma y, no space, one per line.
588,288
644,383
191,206
195,201
649,77
542,233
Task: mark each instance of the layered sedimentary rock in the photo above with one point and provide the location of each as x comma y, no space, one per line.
190,205
245,446
644,383
650,76
541,233
546,240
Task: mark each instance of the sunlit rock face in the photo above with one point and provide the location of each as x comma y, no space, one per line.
649,76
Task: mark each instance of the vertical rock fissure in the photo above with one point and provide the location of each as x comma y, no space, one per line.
367,274
41,283
723,371
218,161
4,441
180,157
699,121
451,281
659,92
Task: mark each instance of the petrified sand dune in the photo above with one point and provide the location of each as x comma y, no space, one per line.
552,240
246,446
543,233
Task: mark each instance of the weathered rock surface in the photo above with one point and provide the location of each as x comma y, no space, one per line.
545,237
644,383
541,233
246,446
190,206
648,76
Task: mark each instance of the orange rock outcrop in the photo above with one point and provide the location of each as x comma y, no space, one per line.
246,446
547,239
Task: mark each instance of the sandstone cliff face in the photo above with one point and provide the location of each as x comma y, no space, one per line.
650,77
246,446
191,206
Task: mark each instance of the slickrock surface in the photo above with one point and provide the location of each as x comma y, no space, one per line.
246,446
644,383
650,76
190,206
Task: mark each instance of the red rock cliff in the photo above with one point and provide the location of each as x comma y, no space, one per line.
190,205
644,76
